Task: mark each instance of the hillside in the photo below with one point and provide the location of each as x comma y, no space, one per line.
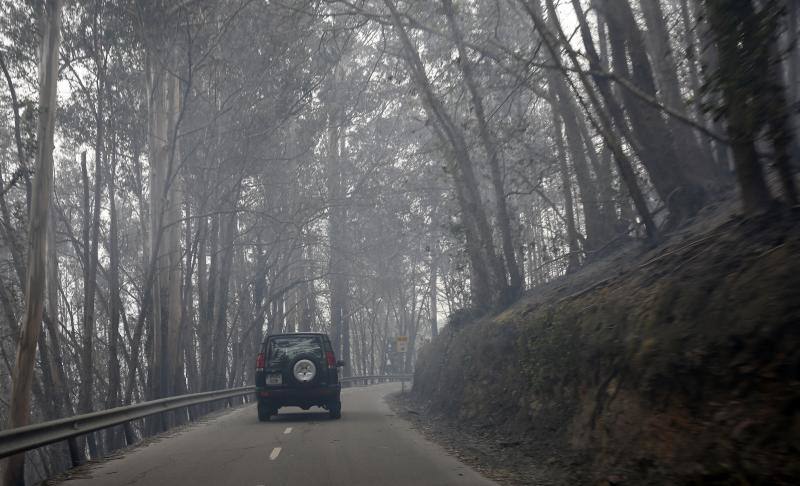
680,366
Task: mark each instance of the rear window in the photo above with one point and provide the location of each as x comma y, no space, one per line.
286,348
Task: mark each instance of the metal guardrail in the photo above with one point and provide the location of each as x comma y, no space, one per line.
13,441
366,380
29,437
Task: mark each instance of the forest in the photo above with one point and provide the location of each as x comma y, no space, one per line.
180,178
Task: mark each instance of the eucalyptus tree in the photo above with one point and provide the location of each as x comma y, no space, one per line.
22,379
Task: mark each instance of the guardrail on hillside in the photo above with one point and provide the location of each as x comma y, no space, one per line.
13,441
370,379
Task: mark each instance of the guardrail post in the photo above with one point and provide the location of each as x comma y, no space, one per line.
130,435
75,456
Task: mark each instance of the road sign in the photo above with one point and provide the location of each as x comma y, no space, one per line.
402,344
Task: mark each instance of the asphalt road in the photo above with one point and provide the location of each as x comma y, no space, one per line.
369,445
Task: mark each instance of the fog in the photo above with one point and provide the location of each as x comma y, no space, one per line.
181,179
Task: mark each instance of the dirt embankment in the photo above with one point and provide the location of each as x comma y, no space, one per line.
682,367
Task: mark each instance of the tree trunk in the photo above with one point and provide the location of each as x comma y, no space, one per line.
792,68
596,229
709,62
134,364
113,438
434,275
490,147
596,232
22,378
7,226
666,74
51,321
245,343
780,130
490,285
566,185
220,332
155,77
691,46
206,246
163,90
47,396
90,256
347,370
793,58
306,294
187,303
605,127
163,94
741,52
337,281
91,225
175,376
678,182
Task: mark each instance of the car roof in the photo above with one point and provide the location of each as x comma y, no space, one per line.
322,334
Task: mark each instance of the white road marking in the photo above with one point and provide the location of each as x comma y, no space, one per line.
288,430
275,453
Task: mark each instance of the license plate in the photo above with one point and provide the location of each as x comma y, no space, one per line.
275,379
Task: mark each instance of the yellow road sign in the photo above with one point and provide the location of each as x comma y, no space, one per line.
402,344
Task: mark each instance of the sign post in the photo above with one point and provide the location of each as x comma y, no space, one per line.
401,347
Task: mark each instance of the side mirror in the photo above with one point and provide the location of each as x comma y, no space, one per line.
340,364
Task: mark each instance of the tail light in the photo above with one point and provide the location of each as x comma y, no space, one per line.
331,359
260,362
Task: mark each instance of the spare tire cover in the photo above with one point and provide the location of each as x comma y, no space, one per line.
304,370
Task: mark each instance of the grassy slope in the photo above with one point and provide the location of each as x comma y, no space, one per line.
683,367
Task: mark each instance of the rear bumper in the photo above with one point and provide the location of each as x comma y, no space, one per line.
299,396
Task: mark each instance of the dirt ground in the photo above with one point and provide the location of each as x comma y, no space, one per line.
500,459
678,364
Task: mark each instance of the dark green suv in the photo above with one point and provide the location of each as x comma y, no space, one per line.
297,370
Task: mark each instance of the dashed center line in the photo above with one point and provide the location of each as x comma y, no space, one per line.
287,431
275,453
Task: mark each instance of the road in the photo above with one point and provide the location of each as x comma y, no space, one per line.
369,445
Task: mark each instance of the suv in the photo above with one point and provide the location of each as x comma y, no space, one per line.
300,370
